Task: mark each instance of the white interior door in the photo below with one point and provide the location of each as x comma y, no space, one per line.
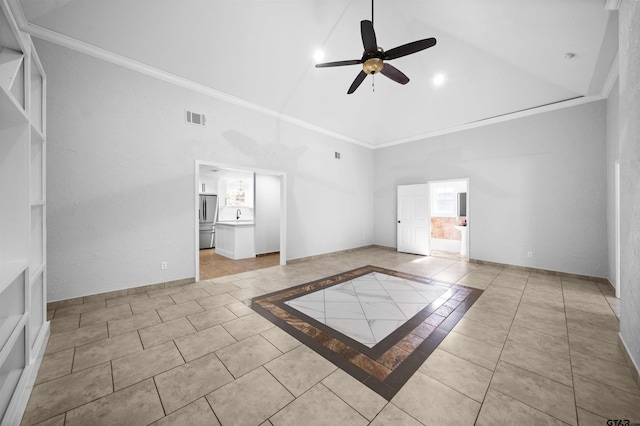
413,219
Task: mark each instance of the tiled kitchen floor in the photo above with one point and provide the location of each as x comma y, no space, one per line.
212,265
533,349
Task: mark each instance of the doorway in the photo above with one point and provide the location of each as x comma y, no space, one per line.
208,175
449,218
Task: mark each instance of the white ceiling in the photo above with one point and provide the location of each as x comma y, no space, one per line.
497,56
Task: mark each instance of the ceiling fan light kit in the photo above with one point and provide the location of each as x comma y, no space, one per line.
373,65
374,56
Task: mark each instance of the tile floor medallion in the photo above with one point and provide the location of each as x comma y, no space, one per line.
376,324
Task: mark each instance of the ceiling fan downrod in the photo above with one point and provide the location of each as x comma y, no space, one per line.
372,12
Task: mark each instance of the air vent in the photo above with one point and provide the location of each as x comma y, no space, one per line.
196,118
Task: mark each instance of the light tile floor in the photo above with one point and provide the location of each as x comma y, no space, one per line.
534,349
368,308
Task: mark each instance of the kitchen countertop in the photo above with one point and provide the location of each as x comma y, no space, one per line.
236,223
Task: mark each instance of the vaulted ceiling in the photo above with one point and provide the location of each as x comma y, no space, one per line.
496,57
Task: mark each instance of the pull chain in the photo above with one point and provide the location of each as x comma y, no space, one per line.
373,76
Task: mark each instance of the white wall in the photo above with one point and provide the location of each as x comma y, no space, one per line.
267,231
120,174
630,177
535,184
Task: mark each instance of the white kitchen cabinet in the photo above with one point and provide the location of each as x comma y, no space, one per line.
235,240
24,329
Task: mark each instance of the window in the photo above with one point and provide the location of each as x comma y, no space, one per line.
445,202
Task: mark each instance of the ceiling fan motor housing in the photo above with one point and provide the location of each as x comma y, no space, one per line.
372,65
374,56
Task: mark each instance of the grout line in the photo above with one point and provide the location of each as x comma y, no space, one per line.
287,276
113,385
164,410
575,401
503,345
532,407
211,406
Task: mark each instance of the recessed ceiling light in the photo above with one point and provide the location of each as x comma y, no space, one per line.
318,55
438,80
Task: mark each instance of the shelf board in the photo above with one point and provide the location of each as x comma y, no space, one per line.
10,383
11,113
15,326
10,270
35,272
36,135
7,327
11,65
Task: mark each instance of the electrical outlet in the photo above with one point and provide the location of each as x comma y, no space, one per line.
163,265
529,254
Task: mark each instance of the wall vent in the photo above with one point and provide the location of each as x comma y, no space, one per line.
195,118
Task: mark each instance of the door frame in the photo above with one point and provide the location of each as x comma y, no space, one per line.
468,184
283,205
617,225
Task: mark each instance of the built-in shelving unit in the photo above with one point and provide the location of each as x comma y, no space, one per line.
24,329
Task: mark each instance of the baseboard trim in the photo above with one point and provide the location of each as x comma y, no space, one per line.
179,282
635,370
539,271
330,254
121,292
267,253
609,283
476,261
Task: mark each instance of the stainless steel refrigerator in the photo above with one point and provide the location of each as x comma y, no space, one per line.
208,216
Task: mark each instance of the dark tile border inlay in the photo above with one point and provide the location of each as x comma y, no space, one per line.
387,366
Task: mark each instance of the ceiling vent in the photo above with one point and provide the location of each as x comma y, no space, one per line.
196,118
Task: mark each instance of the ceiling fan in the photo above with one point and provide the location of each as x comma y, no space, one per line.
374,56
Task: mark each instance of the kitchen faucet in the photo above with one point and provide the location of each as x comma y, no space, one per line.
238,212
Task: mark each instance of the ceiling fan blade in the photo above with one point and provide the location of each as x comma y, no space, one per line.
409,48
359,79
394,74
368,36
339,63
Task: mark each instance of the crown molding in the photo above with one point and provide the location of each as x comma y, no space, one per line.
499,119
94,51
105,55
